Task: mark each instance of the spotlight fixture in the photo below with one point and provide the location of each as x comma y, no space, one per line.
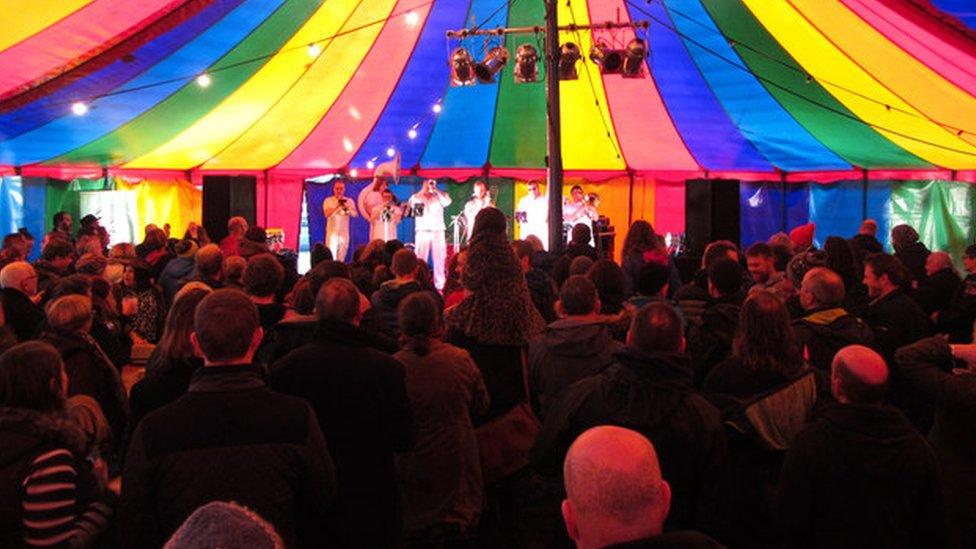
609,60
526,64
79,108
462,68
494,61
569,54
204,80
635,55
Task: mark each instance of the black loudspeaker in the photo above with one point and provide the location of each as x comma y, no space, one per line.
711,213
225,196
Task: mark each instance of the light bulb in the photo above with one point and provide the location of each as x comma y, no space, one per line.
437,108
391,152
412,134
314,50
354,173
79,108
203,80
412,18
370,164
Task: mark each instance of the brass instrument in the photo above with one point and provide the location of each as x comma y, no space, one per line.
593,200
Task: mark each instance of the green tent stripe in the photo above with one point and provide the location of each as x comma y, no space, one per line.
180,110
820,113
519,138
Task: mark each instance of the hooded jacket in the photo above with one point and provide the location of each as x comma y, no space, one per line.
824,332
861,476
569,350
650,393
386,300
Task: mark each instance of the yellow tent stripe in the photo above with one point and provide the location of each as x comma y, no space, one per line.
285,126
246,105
585,141
23,19
825,62
899,71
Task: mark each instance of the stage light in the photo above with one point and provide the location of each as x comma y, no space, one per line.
391,152
79,108
526,64
314,50
494,61
412,18
412,133
609,60
437,108
462,68
636,53
569,54
203,80
371,164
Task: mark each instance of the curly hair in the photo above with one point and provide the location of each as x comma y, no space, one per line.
499,310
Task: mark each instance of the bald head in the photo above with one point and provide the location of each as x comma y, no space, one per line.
868,227
858,375
937,261
19,276
614,489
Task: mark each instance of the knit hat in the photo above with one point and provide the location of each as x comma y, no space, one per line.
802,236
225,524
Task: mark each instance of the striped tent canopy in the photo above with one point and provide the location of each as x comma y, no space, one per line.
805,90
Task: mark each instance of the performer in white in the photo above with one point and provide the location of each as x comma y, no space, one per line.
337,210
480,199
371,196
385,218
532,214
430,227
578,210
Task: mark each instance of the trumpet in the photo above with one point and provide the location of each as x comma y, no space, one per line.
593,199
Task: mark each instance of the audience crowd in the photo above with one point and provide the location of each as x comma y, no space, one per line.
783,395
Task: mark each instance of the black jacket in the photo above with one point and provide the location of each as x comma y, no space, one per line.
711,342
913,258
824,332
935,293
861,476
683,539
927,368
163,383
568,351
359,396
21,313
230,438
386,300
542,290
896,321
957,320
501,367
652,394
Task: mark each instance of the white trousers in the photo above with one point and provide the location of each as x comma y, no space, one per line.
433,242
338,243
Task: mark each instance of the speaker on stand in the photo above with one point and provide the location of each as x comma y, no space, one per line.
226,196
711,213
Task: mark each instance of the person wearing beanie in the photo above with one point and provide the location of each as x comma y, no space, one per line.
178,268
802,237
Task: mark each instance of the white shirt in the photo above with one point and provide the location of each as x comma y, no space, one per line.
433,216
338,222
578,212
384,230
536,210
471,209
